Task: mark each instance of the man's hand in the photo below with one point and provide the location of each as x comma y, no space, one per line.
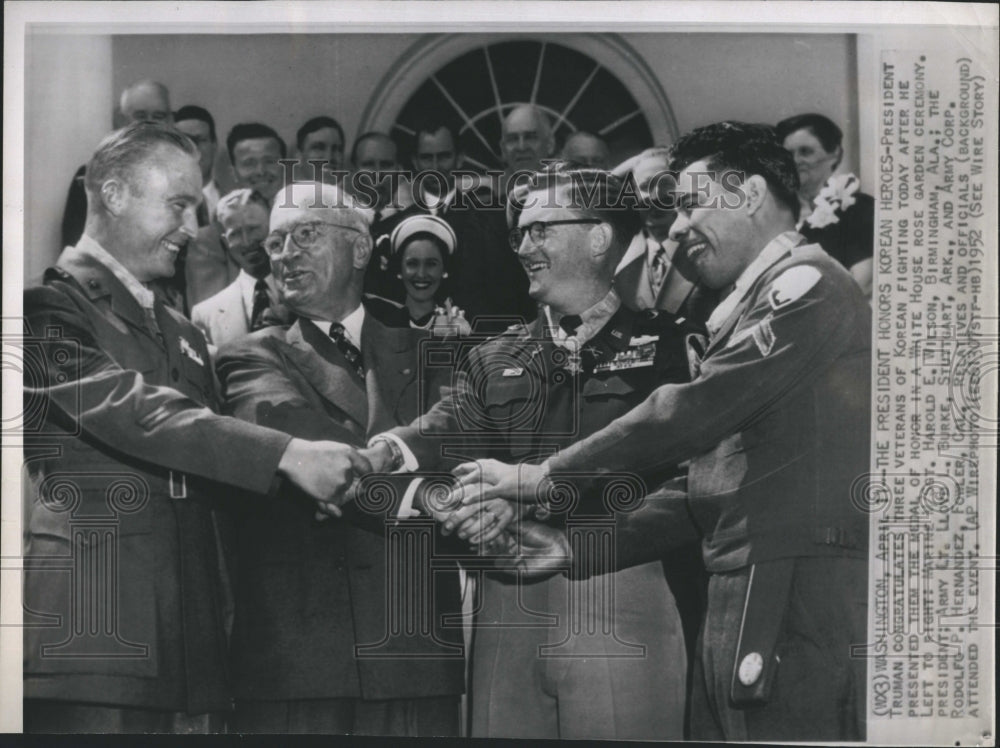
379,457
324,470
490,479
481,523
538,550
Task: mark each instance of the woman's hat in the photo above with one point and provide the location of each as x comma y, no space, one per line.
423,224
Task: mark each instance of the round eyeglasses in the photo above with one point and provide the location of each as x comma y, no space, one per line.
304,236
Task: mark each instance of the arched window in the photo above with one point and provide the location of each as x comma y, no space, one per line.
584,82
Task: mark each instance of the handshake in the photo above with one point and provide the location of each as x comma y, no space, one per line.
486,499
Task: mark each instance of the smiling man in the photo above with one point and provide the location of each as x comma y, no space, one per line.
255,151
525,140
613,668
314,596
320,142
251,301
775,426
134,459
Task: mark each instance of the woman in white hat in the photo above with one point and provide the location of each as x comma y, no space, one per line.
422,247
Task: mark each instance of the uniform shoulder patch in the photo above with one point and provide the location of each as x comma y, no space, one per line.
792,284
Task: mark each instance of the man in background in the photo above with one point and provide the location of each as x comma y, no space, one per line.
320,139
582,149
198,124
376,181
526,140
251,301
255,151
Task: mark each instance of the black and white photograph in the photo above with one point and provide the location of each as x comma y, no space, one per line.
523,370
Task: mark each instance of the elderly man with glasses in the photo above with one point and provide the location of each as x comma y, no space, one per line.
251,301
314,648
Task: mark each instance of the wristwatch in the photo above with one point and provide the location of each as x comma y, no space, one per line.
396,454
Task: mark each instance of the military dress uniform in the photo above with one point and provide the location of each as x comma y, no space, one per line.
775,424
556,658
123,589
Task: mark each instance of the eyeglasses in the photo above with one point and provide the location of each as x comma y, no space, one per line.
536,230
304,236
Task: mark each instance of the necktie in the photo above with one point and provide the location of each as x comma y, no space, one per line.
658,269
261,303
345,346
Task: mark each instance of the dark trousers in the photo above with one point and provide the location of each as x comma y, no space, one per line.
43,716
818,692
436,716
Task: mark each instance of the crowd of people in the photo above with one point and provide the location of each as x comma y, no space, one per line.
571,451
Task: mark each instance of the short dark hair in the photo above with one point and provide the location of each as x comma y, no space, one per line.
314,124
370,135
594,192
252,131
121,151
192,111
744,148
430,126
825,130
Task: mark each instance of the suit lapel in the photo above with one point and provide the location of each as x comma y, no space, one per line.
390,361
675,290
325,368
636,251
231,312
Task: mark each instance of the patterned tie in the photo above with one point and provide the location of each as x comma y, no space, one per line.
261,303
658,270
350,351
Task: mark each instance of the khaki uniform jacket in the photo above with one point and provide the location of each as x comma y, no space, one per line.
125,456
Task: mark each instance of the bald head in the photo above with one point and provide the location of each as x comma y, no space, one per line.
584,149
526,138
146,101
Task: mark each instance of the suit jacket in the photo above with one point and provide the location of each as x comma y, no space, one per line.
125,456
776,426
208,268
681,295
310,592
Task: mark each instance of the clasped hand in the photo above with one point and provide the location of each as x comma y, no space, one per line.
325,470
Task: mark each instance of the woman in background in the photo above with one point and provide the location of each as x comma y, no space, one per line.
835,214
422,246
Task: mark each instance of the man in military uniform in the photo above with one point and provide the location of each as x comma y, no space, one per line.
125,457
775,425
524,395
